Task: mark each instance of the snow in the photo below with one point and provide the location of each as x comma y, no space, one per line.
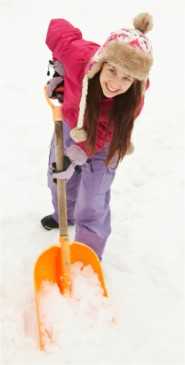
79,320
144,257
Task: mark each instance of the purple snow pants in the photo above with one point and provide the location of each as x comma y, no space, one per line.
88,197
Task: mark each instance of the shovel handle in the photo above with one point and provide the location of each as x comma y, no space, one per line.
56,109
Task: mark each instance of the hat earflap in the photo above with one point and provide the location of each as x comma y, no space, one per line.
78,134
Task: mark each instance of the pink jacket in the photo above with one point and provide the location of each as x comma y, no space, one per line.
67,46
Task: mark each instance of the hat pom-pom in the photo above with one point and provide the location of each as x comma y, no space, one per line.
78,135
143,22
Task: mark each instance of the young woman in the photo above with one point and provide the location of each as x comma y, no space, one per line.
103,94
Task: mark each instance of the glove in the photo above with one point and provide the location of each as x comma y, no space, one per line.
55,86
73,158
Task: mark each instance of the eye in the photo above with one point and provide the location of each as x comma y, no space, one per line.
112,70
125,78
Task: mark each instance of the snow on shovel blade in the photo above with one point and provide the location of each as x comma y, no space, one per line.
48,268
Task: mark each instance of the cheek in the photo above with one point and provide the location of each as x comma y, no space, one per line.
126,86
101,78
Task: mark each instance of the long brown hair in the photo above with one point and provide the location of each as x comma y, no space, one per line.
121,116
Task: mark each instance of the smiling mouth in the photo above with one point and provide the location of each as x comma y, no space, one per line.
110,90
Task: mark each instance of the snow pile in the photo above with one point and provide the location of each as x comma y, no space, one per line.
82,320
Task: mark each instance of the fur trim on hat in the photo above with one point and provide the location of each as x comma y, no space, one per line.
133,61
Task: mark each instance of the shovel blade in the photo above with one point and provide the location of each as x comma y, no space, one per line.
48,265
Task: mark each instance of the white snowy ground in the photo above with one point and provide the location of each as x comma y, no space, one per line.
144,258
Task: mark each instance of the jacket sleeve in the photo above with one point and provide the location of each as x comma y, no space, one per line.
60,35
68,46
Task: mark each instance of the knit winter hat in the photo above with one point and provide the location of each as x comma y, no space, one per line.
128,48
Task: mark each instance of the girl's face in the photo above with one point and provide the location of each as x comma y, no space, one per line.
113,81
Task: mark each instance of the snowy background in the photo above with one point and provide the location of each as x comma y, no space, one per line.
144,257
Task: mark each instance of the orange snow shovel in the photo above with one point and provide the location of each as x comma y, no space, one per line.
53,265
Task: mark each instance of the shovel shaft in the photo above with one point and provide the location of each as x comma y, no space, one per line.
61,189
62,212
